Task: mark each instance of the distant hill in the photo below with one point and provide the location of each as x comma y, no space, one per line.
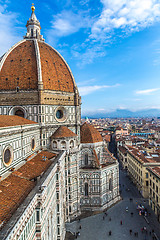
125,113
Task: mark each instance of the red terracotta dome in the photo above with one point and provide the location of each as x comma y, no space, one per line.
89,134
63,132
23,63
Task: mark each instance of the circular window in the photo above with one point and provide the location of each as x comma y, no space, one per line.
7,157
33,144
59,114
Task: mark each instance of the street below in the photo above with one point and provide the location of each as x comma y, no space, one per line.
119,224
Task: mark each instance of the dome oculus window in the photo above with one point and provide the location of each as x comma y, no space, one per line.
7,157
60,114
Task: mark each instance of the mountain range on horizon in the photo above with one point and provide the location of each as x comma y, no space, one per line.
124,113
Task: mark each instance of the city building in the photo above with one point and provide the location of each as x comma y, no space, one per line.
154,189
121,131
122,155
51,167
138,162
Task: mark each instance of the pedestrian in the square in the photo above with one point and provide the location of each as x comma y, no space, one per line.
110,233
121,222
103,217
130,231
131,214
110,219
80,227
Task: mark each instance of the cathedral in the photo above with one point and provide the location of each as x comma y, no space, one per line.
52,168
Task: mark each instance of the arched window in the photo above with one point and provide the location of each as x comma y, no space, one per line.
98,155
110,184
63,144
31,32
19,113
86,189
54,144
33,144
86,159
71,144
17,89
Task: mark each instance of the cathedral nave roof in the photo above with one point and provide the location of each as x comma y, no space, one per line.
15,188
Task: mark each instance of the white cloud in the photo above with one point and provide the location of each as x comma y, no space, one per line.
82,83
133,99
124,15
85,90
8,35
90,53
67,23
147,91
128,15
84,2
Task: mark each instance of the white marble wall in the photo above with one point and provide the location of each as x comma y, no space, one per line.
18,139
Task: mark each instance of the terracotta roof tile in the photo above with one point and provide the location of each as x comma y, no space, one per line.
107,138
123,149
63,132
55,73
97,160
155,170
108,156
36,166
12,120
138,153
20,68
89,134
15,188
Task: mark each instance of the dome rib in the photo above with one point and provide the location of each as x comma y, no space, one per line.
32,64
62,68
39,69
89,134
3,58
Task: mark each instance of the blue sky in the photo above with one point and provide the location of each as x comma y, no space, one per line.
111,46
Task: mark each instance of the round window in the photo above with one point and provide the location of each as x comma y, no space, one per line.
59,114
33,144
7,157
